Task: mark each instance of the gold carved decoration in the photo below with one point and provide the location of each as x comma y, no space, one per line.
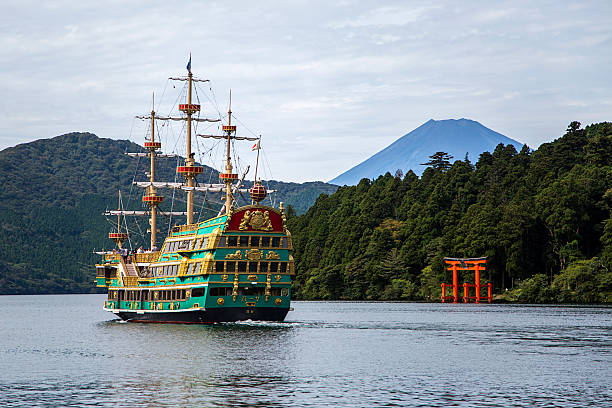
252,278
257,219
224,277
278,277
236,255
278,301
253,254
272,255
220,301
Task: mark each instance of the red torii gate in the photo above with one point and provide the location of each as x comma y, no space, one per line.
466,264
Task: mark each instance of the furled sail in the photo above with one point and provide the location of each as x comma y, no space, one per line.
126,212
148,154
178,118
225,137
187,79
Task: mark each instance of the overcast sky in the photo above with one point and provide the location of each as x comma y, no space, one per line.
327,83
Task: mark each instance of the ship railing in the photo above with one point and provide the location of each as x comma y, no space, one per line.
130,280
146,257
112,257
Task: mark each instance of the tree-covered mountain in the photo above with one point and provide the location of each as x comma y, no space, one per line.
52,196
541,217
457,137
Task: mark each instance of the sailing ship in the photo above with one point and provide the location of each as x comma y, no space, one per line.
232,267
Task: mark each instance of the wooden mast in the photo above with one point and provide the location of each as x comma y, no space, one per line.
228,163
151,198
153,220
228,177
189,161
190,170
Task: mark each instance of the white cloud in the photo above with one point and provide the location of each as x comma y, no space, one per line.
327,84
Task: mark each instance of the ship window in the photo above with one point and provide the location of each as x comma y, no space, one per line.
220,245
275,291
275,242
244,240
184,244
265,242
252,291
222,291
273,267
241,266
205,242
175,269
230,267
198,292
283,267
284,242
263,267
252,267
232,241
145,295
219,266
196,269
182,294
196,243
284,291
254,241
189,268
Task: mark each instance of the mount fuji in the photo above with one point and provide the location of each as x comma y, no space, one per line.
454,136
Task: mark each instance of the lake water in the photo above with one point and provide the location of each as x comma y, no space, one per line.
58,351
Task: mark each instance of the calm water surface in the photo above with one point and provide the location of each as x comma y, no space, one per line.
60,351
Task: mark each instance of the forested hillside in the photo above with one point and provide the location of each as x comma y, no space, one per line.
542,218
52,196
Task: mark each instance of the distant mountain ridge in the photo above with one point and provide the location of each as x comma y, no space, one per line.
52,196
454,136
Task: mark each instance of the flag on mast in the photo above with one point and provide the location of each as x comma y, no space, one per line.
189,63
256,146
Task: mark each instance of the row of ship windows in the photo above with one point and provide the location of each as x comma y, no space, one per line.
248,291
186,244
245,241
254,241
148,295
181,294
223,267
251,267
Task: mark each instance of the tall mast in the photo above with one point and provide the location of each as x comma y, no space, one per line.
151,198
119,237
119,219
189,161
258,147
189,170
228,177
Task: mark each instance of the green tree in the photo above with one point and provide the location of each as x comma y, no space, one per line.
439,161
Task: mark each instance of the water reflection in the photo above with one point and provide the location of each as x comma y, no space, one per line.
345,354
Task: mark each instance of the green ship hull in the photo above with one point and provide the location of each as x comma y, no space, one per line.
229,268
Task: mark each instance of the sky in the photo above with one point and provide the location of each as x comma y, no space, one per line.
326,83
